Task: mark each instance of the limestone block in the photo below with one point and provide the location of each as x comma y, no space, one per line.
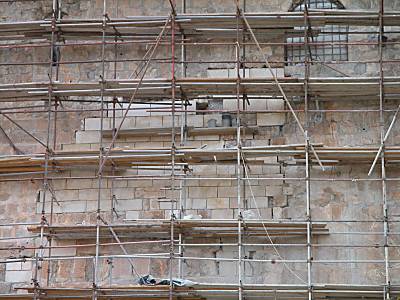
271,119
278,213
288,190
275,104
260,202
226,192
279,201
18,276
213,182
204,170
14,266
70,207
95,123
92,194
143,122
134,204
66,195
124,193
233,202
226,170
217,73
118,183
256,191
156,121
63,251
149,193
202,192
165,204
216,203
230,104
266,213
258,104
58,184
271,190
207,138
228,269
195,120
196,203
222,213
76,147
87,137
271,169
132,215
26,266
79,183
167,121
140,183
265,73
5,287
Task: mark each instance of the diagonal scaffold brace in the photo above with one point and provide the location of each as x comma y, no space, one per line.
139,84
383,141
304,132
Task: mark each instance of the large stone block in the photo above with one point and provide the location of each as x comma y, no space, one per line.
134,204
95,124
226,192
202,192
215,203
222,214
124,193
86,137
93,194
271,119
18,276
196,203
66,195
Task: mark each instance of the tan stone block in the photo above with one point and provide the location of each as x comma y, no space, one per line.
124,193
256,191
271,119
156,121
202,192
195,120
149,193
273,190
87,137
133,204
213,182
92,194
215,203
222,214
140,183
226,192
196,203
66,195
79,183
226,170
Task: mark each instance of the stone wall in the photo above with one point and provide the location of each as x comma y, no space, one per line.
279,199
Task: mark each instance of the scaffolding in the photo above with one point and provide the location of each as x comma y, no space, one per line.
178,32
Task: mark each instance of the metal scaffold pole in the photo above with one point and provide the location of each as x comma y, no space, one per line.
101,154
382,154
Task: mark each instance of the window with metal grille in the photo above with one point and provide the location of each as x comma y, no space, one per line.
327,35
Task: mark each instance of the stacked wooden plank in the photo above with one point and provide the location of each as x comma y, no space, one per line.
126,158
210,290
195,26
323,89
152,229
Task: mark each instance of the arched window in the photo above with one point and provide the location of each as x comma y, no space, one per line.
327,34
